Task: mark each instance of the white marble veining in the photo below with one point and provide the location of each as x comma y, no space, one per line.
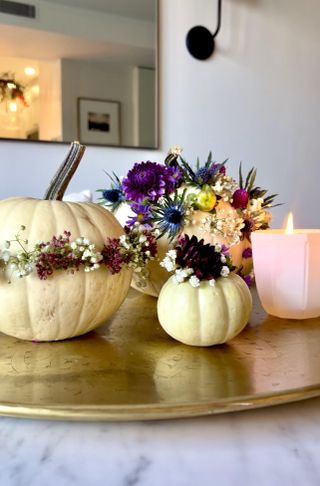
265,447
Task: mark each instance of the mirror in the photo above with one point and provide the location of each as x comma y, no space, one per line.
79,70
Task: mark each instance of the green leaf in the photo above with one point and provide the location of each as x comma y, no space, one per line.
252,179
248,178
240,176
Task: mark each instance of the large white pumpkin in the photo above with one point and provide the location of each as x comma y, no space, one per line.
204,315
65,305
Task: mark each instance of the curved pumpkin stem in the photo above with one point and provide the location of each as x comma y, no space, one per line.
64,174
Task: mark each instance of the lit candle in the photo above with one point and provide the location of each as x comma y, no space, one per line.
287,271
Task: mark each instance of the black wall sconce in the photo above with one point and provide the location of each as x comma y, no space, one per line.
200,41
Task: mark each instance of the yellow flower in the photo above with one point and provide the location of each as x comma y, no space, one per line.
206,199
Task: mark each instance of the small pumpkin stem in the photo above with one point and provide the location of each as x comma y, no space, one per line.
64,174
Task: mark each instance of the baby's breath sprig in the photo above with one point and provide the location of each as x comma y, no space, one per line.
20,263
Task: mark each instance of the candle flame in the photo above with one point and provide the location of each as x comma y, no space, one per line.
289,227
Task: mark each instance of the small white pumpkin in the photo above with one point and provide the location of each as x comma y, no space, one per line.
204,315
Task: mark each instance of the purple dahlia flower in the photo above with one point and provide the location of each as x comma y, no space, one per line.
149,180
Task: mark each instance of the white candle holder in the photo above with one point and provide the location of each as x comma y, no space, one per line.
287,272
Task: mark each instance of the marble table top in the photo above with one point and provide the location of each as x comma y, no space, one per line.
266,447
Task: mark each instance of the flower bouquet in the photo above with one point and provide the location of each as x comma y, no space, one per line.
174,199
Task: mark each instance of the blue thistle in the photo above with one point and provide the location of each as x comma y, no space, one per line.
113,197
202,175
169,217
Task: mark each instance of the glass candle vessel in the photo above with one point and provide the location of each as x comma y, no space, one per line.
287,272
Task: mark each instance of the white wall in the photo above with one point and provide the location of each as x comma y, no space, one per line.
256,100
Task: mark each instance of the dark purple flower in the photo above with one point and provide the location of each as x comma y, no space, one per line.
148,180
248,279
202,258
111,255
142,214
240,199
247,252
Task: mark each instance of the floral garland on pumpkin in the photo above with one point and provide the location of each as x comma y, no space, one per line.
134,250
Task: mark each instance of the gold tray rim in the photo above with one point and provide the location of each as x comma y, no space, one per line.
145,412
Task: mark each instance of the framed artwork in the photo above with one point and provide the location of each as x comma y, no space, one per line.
98,121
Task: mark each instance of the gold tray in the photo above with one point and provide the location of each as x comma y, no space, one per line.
131,370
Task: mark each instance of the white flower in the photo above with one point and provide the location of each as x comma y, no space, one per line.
85,241
86,254
168,264
79,241
5,256
194,281
212,282
179,277
176,150
223,259
73,245
217,248
224,271
182,273
172,254
142,238
255,204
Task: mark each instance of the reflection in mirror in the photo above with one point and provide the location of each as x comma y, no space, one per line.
79,70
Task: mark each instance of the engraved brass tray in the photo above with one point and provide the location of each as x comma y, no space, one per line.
130,369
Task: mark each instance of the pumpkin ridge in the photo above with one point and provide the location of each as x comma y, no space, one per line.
101,298
227,323
59,320
28,282
78,322
199,312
